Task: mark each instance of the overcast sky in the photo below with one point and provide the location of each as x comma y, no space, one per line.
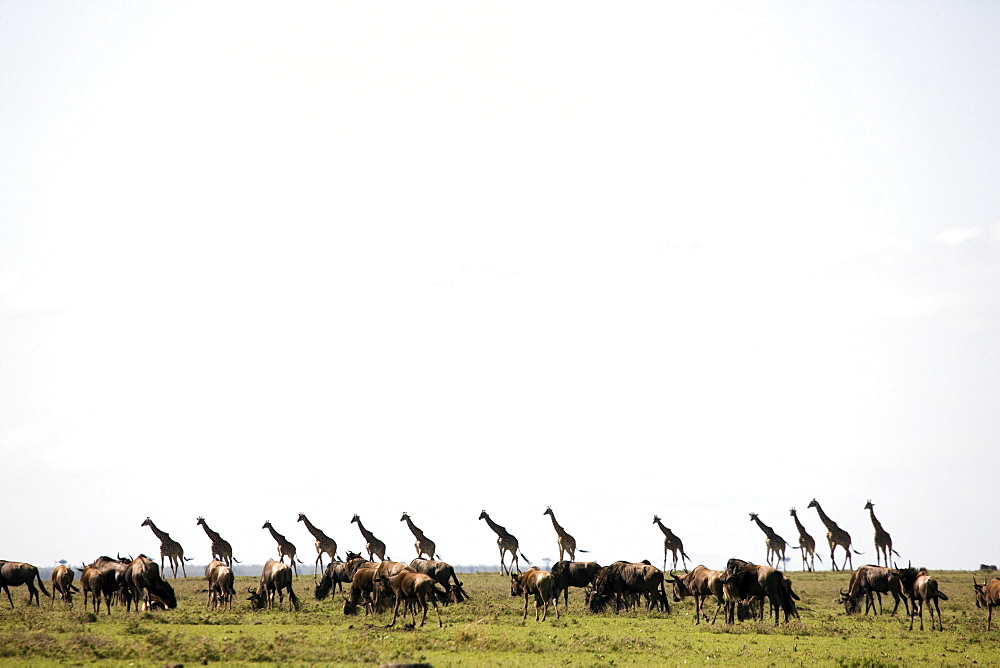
694,259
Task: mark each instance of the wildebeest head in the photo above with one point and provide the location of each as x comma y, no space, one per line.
257,598
349,607
852,604
516,588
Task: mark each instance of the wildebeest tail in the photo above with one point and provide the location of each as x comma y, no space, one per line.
72,587
293,598
942,595
42,585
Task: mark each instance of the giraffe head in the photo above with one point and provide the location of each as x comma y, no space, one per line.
792,512
869,505
201,521
267,525
548,511
355,519
656,518
146,522
483,515
404,517
753,516
813,504
302,516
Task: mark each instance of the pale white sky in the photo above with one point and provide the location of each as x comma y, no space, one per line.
693,259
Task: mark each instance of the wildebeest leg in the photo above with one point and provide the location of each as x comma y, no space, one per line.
525,617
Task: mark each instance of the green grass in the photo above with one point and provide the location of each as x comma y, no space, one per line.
488,631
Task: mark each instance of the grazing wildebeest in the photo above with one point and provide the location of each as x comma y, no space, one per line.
336,574
143,576
17,573
987,596
444,574
745,580
415,588
92,582
623,583
573,574
62,584
868,580
700,583
537,583
923,589
362,591
275,578
220,584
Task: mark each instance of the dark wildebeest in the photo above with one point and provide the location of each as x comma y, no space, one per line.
573,574
275,578
922,588
987,596
868,580
624,582
337,573
143,576
414,588
62,584
744,580
17,573
537,583
113,578
220,584
444,574
700,583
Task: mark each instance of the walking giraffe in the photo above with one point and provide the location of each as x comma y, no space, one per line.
507,543
285,547
424,544
323,544
807,544
169,548
883,541
672,544
565,542
775,543
373,545
221,549
835,536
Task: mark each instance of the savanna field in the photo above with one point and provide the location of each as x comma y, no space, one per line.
487,630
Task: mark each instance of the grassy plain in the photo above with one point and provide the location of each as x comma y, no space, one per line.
488,631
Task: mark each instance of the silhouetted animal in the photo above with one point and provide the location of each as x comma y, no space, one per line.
143,575
336,574
275,578
746,580
573,574
17,573
623,582
507,543
444,574
868,580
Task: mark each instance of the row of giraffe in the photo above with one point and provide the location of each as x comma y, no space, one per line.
171,550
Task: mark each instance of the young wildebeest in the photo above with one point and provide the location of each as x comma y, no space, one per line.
220,584
444,574
748,581
414,588
624,582
274,578
700,583
868,580
541,584
143,577
92,582
573,574
17,573
62,584
923,589
362,590
987,596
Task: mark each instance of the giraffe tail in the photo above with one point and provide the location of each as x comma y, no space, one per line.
582,550
526,559
237,560
855,551
188,558
894,552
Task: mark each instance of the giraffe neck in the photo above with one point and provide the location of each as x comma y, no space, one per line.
875,522
830,524
763,527
497,529
313,530
275,535
211,534
365,532
555,525
162,535
413,528
666,532
798,525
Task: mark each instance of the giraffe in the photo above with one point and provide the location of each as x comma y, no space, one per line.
375,547
169,548
285,547
807,544
507,543
566,543
775,543
424,544
221,549
671,543
835,537
323,544
883,541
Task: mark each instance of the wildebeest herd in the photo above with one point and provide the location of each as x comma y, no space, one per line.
742,591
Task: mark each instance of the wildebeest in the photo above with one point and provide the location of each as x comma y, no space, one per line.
62,584
92,583
700,583
414,588
275,578
868,580
220,584
143,576
573,574
987,596
623,583
537,583
113,579
362,591
923,589
745,580
444,574
338,573
17,573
